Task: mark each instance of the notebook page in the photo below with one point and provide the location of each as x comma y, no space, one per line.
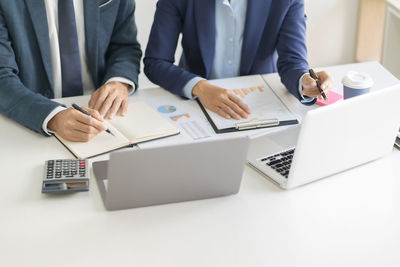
102,143
142,123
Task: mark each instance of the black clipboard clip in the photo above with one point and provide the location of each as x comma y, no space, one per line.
256,124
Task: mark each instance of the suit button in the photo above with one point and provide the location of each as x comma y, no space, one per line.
47,93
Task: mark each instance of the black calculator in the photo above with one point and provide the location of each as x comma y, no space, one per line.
65,175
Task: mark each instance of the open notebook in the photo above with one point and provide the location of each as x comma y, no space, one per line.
141,124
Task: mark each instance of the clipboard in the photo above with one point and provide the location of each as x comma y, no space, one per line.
247,126
267,109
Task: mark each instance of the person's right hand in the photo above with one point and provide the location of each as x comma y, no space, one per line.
221,101
73,125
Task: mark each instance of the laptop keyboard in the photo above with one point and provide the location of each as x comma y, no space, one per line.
280,162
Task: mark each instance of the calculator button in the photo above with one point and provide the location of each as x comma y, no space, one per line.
64,169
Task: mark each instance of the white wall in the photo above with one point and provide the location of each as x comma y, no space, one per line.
144,18
331,34
331,31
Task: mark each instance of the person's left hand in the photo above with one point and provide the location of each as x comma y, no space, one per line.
110,99
310,88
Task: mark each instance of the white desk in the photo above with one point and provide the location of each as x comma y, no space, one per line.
352,219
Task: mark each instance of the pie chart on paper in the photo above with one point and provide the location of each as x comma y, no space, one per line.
166,109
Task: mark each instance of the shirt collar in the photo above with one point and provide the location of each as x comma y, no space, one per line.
226,2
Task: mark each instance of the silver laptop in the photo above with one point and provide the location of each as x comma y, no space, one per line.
330,140
139,178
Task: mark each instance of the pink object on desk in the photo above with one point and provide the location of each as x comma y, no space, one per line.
332,98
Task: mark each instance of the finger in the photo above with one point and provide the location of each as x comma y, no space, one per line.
239,107
82,118
102,95
240,113
87,130
93,100
124,108
227,109
107,104
325,79
79,136
76,135
95,114
308,82
83,127
312,92
222,113
114,108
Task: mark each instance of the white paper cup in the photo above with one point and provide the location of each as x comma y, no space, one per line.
356,83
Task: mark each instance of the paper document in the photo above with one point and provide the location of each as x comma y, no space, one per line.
186,115
266,108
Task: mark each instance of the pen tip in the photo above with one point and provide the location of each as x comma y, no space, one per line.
108,131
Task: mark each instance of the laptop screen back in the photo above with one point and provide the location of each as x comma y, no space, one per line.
341,136
175,173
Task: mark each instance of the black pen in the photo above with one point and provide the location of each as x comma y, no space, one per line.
315,77
75,106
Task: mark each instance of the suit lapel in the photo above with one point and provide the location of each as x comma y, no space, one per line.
37,11
205,22
92,17
256,18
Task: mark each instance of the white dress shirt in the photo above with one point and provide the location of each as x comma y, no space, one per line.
87,81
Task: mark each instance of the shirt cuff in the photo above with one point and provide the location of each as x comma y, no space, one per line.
305,99
187,90
49,117
131,84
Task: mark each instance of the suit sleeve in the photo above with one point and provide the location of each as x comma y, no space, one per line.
160,53
124,52
16,101
292,49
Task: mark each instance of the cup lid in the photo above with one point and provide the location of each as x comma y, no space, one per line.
357,80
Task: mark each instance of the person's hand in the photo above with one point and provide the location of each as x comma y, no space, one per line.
73,125
221,101
310,88
110,99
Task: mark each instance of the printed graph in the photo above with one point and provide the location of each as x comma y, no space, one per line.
248,91
166,109
177,117
195,130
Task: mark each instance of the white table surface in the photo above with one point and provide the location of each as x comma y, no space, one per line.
351,219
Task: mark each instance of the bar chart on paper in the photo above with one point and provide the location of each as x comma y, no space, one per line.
244,92
177,117
182,117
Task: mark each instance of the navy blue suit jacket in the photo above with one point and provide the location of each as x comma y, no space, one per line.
274,40
26,81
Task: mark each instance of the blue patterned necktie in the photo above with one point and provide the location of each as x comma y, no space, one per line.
69,50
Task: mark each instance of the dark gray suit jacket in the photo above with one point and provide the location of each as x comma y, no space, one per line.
26,81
